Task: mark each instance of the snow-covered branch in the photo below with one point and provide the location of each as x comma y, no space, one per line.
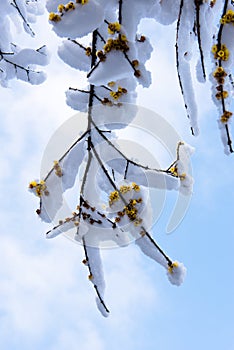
16,62
223,57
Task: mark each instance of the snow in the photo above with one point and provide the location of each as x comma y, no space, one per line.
165,12
133,12
71,163
77,100
72,54
114,117
114,68
184,168
26,57
144,50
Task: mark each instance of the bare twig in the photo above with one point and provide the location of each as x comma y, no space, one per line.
197,6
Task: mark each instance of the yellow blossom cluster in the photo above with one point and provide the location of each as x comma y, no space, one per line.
225,117
219,74
172,266
53,17
125,188
100,54
74,218
107,102
117,94
174,171
220,52
135,187
57,168
88,51
113,197
111,83
114,28
131,211
221,94
135,63
120,43
39,187
228,17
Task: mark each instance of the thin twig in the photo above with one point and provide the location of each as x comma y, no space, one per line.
120,11
77,43
93,69
101,37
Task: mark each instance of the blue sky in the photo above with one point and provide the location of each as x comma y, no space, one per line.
46,299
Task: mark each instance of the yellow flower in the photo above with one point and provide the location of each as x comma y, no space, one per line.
125,189
135,63
173,170
88,51
219,72
70,6
220,53
135,187
221,94
53,17
214,48
111,84
58,169
32,184
226,116
113,197
61,8
114,28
